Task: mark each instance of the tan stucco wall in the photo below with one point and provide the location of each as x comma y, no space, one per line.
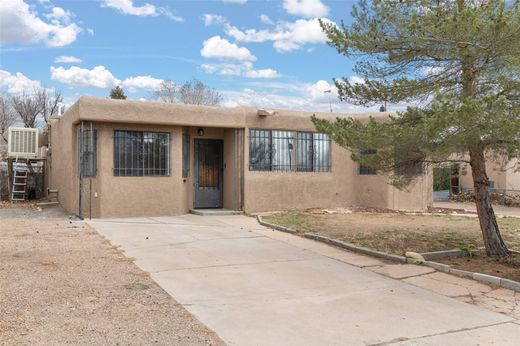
501,172
267,191
417,196
62,159
513,175
263,191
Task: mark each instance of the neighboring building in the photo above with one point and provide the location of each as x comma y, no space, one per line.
502,175
148,158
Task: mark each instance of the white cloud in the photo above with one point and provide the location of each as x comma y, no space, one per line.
128,7
213,19
220,48
286,36
98,77
306,8
319,91
58,15
264,18
241,2
234,60
16,83
20,24
67,59
264,73
356,80
101,77
165,11
308,97
142,82
239,69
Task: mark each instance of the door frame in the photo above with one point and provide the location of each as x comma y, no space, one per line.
220,147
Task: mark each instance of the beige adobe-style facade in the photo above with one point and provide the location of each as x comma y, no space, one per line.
503,174
148,158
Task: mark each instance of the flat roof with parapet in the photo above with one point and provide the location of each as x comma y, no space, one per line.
94,109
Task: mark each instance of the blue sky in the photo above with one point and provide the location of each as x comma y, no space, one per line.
269,54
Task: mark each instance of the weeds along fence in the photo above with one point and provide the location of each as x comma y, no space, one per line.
35,188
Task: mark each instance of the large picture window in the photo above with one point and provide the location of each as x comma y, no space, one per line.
138,153
288,151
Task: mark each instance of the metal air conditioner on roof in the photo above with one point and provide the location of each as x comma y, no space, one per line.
22,142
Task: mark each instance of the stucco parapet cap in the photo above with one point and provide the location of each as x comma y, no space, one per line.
153,112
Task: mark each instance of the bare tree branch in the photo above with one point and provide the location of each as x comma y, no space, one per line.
197,93
7,116
193,92
50,104
28,106
167,92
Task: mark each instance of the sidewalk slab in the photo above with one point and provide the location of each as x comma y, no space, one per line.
401,271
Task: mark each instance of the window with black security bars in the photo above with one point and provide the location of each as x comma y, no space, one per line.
276,150
88,153
139,153
185,155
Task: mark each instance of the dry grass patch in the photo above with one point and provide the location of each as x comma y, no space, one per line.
397,233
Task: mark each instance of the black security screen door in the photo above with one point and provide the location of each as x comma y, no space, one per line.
208,173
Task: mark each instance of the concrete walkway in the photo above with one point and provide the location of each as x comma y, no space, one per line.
255,286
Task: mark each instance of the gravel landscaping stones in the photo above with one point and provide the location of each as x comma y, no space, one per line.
62,283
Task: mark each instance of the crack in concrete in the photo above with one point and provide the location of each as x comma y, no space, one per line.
289,295
235,264
189,242
441,333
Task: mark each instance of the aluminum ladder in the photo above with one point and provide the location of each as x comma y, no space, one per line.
19,184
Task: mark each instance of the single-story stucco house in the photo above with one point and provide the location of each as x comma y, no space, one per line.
503,175
149,158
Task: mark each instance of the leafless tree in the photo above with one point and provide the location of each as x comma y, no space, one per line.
192,92
195,92
50,103
7,116
167,92
28,106
39,102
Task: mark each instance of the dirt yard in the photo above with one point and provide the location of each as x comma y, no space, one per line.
62,283
397,233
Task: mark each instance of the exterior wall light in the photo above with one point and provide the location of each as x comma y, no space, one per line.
200,131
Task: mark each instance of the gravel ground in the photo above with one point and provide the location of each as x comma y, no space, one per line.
62,283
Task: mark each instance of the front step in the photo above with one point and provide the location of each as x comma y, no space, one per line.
47,204
215,212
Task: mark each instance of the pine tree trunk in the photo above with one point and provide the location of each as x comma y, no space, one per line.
493,241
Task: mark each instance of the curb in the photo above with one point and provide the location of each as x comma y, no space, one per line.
354,248
485,278
443,254
273,226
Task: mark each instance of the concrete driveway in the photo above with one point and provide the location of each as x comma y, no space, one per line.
255,286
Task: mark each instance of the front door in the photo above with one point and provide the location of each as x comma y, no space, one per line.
208,173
